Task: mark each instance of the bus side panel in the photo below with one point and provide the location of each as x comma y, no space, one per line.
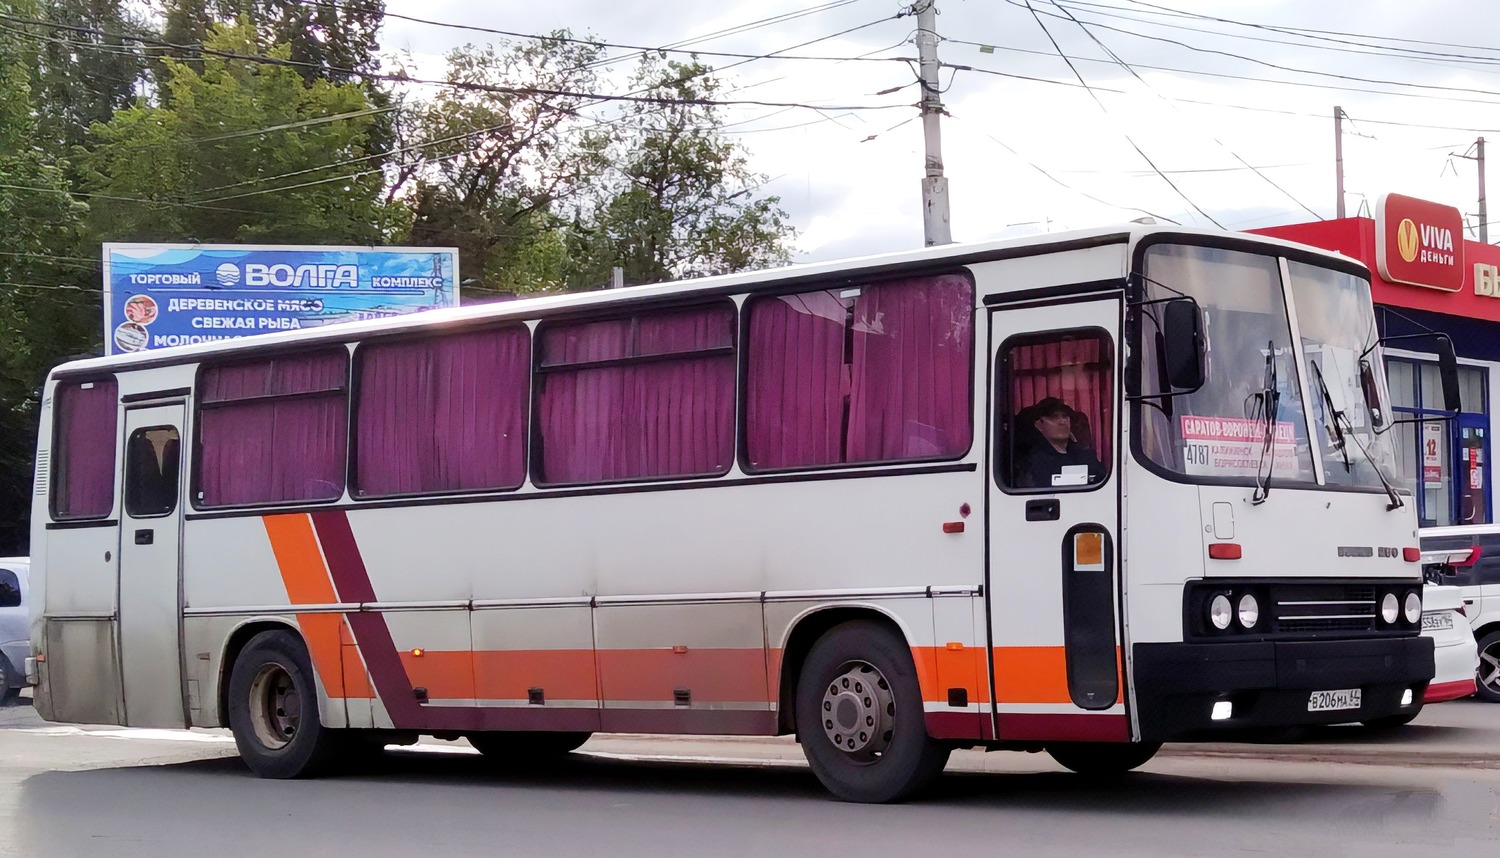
256,568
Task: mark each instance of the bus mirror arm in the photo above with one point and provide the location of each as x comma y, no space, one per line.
1447,368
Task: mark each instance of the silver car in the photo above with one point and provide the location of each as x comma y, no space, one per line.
15,632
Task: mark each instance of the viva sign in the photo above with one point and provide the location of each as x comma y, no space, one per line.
1419,243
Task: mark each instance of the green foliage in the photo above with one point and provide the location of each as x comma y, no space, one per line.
239,151
678,199
485,170
82,78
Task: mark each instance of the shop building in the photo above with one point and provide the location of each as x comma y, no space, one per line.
1427,277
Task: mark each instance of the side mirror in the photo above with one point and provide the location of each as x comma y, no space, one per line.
1370,384
1182,346
1448,370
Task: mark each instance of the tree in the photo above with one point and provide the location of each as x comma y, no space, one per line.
328,39
48,292
83,77
487,161
239,150
680,198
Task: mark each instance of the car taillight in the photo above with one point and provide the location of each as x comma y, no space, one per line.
1470,560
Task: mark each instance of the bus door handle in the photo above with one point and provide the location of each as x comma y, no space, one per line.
1046,509
145,536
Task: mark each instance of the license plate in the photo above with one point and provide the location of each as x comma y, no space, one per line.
1329,701
1436,622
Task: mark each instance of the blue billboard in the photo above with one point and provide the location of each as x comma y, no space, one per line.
162,295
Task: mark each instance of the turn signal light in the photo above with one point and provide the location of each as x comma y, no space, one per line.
1225,551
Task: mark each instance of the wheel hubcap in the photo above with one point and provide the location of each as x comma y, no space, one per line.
275,706
859,711
1489,668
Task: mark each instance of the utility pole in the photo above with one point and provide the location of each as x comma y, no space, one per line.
1338,159
1484,206
935,224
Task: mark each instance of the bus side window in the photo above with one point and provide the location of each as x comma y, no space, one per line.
151,469
1056,395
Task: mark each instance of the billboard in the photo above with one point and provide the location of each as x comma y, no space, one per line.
162,295
1419,243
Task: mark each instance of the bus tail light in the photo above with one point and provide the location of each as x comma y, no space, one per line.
1225,551
1411,555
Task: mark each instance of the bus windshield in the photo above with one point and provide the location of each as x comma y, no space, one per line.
1247,423
1336,322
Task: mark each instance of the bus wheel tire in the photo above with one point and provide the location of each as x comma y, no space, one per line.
860,717
273,709
525,746
1489,669
1103,758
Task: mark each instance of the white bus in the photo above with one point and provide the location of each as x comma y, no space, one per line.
1082,493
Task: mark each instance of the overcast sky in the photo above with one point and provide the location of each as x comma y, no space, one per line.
1386,62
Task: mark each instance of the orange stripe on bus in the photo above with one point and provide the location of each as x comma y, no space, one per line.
940,668
446,675
305,575
562,674
1036,674
721,675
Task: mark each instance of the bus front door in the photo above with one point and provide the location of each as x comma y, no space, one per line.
150,571
1053,580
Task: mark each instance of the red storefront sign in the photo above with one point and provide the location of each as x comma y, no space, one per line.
1419,243
1477,295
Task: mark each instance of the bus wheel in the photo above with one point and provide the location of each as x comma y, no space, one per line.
860,717
1103,758
516,747
273,709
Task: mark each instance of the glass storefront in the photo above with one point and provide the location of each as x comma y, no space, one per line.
1444,462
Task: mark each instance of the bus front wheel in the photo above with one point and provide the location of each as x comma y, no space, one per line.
273,709
860,717
1103,758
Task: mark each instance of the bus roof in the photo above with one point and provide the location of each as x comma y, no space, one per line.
746,281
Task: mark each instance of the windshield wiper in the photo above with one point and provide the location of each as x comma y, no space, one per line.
1341,431
1269,403
1332,417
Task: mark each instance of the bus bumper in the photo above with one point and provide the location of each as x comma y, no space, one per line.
1182,688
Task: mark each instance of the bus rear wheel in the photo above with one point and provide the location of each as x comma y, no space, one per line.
273,709
1103,759
516,747
860,717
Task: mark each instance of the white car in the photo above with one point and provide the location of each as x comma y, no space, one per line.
1468,557
15,630
1454,650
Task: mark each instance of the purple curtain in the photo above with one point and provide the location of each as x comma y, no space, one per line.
796,381
443,414
84,463
913,370
1076,370
670,417
258,445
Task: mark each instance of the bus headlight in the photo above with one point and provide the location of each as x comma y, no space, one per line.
1220,612
1249,611
1390,608
1413,607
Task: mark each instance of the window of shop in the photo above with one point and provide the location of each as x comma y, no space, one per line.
1446,462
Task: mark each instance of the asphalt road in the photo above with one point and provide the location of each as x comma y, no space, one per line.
69,791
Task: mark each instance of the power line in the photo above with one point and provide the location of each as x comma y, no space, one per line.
640,49
467,86
1060,183
1226,105
1221,143
1105,110
1267,63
